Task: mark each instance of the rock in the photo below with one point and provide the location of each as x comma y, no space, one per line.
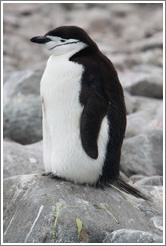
153,57
157,193
149,87
143,180
129,101
12,80
142,154
147,115
21,159
154,187
132,236
150,58
153,181
115,33
135,178
155,41
42,210
158,222
22,107
147,68
143,84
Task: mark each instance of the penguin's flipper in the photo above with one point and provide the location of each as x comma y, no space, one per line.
93,113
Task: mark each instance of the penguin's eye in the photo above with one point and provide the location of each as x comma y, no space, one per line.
62,40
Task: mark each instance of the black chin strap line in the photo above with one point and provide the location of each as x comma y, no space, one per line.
74,42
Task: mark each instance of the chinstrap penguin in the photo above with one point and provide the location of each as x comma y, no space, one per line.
84,115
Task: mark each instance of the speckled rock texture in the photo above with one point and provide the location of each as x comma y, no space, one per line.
40,209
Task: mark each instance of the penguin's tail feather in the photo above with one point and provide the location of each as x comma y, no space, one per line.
122,185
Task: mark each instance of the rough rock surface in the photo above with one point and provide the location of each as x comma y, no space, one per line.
143,154
132,236
22,107
22,159
128,30
136,53
130,34
143,84
147,115
58,211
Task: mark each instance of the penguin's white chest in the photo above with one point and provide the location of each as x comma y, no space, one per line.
62,148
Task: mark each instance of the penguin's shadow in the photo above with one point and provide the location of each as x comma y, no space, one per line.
51,175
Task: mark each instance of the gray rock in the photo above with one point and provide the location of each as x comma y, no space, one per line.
116,33
20,159
155,41
12,80
149,59
153,181
143,154
149,87
113,37
157,193
143,84
132,236
153,57
147,115
130,102
41,210
135,178
154,187
158,222
148,68
143,180
22,107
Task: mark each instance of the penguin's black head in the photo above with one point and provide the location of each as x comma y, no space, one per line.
65,39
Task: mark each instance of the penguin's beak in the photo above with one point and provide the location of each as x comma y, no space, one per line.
40,39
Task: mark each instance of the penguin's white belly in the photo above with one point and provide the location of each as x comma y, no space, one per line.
62,148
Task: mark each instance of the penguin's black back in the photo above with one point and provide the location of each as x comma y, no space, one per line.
101,77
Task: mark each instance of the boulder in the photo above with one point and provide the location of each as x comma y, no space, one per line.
143,154
146,114
23,116
116,33
132,236
22,159
130,102
153,181
143,84
151,59
152,42
143,180
22,107
42,210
